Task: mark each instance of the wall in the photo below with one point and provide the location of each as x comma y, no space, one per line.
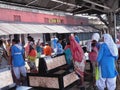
32,17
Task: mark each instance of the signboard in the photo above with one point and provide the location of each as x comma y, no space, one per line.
53,20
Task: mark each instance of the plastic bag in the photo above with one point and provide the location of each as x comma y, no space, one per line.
97,74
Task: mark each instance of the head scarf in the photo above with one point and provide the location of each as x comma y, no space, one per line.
76,50
111,45
96,36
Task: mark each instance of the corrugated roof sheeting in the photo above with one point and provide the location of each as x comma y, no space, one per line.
21,28
73,29
88,29
70,29
58,28
15,28
43,29
11,28
79,29
34,28
3,33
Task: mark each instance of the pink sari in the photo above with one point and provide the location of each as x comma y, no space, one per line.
78,56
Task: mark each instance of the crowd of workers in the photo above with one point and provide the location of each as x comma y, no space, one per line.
102,53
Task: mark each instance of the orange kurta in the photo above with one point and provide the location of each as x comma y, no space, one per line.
47,50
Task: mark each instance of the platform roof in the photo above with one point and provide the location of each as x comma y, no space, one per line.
72,6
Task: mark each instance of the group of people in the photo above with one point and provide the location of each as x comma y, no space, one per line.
102,53
16,55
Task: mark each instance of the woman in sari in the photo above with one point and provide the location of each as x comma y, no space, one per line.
78,58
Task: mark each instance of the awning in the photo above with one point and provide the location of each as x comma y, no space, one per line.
74,29
3,33
82,29
23,28
11,28
70,29
35,28
18,28
58,28
88,29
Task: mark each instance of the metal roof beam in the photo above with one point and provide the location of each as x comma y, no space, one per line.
21,5
81,11
66,3
91,7
88,1
56,6
31,2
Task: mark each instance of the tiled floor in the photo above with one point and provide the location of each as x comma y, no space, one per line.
75,87
88,87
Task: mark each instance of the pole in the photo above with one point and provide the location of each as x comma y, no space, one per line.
115,32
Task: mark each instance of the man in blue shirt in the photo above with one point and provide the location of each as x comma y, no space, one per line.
18,61
54,44
59,47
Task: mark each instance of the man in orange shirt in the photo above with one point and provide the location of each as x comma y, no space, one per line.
47,50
